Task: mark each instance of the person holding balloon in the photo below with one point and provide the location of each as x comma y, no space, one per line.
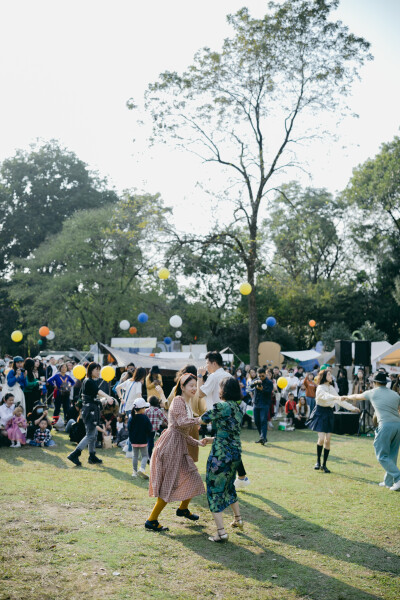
90,414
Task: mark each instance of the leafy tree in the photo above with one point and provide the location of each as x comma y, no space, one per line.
90,275
337,331
304,229
374,196
369,331
225,108
40,188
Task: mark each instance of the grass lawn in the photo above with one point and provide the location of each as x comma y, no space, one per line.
70,533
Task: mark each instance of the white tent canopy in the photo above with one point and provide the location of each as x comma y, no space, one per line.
145,360
302,355
390,356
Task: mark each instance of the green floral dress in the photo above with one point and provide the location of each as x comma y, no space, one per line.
225,456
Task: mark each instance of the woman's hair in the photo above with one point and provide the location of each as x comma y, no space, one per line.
187,369
29,365
154,401
6,397
91,367
322,377
139,374
62,365
179,387
154,370
230,389
14,365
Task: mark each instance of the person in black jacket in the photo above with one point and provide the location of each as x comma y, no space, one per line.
263,388
91,408
139,428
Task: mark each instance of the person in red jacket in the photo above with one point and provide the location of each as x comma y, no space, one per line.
290,408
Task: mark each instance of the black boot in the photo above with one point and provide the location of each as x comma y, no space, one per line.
74,457
318,463
324,468
93,460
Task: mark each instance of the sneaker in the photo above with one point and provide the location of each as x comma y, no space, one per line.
125,448
142,474
129,454
383,484
260,441
241,483
396,486
17,445
134,473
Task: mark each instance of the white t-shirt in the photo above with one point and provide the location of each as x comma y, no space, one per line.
6,413
211,387
133,390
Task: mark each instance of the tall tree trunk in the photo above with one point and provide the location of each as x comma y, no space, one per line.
253,318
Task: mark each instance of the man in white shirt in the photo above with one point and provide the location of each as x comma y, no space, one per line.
216,374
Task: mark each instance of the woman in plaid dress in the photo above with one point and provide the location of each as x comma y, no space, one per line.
173,474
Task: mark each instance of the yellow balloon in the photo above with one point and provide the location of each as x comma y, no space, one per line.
282,382
163,273
79,372
16,336
107,373
245,289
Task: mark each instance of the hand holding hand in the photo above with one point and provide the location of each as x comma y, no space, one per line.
209,440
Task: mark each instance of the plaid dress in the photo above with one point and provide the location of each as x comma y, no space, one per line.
173,474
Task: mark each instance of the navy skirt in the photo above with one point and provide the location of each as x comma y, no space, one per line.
321,419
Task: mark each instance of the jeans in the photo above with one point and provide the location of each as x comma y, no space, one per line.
261,420
89,439
47,444
69,425
311,403
61,398
143,462
386,444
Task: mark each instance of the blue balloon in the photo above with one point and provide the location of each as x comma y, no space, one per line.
143,318
167,341
271,321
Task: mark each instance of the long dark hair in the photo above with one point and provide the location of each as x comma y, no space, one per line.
91,367
139,374
29,365
179,387
322,377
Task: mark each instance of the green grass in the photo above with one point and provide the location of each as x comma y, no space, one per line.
65,531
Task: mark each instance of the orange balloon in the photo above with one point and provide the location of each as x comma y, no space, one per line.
132,330
312,323
43,331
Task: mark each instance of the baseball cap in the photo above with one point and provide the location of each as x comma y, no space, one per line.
140,403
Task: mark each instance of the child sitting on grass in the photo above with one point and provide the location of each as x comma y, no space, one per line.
122,428
16,428
42,436
139,428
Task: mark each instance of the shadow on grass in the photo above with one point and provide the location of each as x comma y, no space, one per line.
264,456
258,565
332,457
297,532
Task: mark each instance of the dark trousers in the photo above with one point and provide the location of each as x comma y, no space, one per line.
61,398
261,420
150,443
240,470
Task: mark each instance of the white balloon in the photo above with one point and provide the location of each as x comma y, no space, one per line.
175,321
51,335
264,326
178,334
124,324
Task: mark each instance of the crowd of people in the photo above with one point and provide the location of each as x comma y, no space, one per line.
206,406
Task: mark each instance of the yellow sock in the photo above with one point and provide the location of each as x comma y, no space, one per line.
160,504
184,504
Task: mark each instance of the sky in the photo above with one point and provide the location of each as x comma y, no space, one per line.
68,68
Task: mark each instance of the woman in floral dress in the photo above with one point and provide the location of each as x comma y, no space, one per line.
225,456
